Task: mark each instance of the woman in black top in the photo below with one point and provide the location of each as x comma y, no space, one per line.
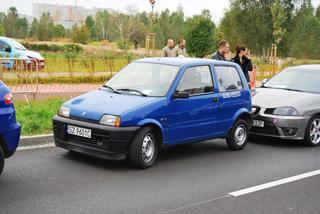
243,59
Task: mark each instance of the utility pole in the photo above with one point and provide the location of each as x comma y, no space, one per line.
151,37
75,11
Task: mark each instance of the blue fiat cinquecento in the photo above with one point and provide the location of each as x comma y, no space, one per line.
9,128
154,102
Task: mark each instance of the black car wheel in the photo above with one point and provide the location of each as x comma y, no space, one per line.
144,148
1,160
238,136
312,135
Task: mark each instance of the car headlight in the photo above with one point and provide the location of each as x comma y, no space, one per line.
286,111
110,120
64,111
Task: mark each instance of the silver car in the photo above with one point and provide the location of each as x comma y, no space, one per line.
288,105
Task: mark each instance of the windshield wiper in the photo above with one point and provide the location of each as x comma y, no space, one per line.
290,89
133,90
112,89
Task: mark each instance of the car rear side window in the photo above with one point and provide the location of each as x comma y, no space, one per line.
4,47
228,78
196,80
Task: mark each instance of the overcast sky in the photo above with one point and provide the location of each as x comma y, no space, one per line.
217,7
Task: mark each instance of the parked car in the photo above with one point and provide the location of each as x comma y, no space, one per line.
154,102
288,105
9,128
10,48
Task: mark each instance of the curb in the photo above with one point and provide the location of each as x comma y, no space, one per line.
36,140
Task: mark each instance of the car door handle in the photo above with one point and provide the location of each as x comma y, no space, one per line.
215,99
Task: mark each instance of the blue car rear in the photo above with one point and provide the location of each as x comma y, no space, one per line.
9,128
157,102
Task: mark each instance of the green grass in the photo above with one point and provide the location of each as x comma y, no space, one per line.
36,116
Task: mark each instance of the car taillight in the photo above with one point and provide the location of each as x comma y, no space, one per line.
8,99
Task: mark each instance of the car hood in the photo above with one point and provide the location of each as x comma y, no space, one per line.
274,98
95,104
32,54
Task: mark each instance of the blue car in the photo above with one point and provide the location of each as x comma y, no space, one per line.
157,102
10,48
9,128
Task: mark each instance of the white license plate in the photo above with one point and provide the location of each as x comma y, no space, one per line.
258,123
73,130
42,63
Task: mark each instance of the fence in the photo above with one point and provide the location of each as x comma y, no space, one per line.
20,75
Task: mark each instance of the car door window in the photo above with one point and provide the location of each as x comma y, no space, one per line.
228,78
4,47
196,80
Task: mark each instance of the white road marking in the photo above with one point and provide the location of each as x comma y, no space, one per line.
274,183
48,145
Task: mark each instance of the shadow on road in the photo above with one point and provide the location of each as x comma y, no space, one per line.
268,141
187,152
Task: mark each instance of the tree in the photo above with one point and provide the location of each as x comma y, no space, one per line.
318,12
59,31
21,28
200,36
9,22
102,25
91,26
81,34
45,27
139,34
1,30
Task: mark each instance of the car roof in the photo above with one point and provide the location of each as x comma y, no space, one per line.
179,61
315,67
6,39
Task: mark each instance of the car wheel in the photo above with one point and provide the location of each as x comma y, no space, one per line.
312,135
144,148
238,136
1,160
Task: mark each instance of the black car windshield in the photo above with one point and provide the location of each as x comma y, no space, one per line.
147,79
296,79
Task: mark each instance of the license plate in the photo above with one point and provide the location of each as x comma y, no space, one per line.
73,130
258,123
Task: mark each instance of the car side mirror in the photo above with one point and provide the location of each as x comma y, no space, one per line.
264,81
181,95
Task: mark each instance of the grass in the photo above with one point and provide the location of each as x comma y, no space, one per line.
36,116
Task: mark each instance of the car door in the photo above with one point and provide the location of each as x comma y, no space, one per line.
233,95
195,117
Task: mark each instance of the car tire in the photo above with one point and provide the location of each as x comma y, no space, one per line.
312,134
144,148
1,160
238,136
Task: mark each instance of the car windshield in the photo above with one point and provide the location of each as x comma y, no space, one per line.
146,79
18,46
296,79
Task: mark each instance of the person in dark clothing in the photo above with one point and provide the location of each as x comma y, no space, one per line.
243,59
223,50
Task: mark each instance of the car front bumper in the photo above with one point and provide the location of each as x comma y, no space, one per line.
285,127
106,142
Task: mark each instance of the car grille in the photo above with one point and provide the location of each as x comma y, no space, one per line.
94,140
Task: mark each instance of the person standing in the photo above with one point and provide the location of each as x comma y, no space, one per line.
169,51
180,48
222,52
243,59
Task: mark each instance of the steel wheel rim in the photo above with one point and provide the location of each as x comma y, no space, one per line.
148,147
240,135
315,131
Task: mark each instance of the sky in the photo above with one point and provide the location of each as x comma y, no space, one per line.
191,7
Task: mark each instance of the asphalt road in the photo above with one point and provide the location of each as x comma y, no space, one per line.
187,179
